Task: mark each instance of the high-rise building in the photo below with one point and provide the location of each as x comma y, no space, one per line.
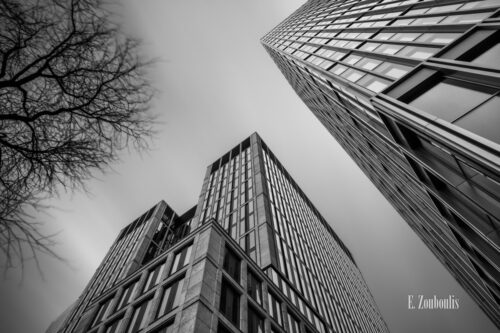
410,90
254,255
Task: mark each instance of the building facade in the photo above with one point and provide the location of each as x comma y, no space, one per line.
254,255
410,89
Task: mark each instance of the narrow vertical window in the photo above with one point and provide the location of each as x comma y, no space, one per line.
170,298
230,303
232,264
254,287
275,308
181,259
293,324
154,277
140,317
103,312
255,321
127,295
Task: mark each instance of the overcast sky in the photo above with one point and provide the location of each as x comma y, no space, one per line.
217,85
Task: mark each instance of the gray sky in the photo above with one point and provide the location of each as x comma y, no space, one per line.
217,86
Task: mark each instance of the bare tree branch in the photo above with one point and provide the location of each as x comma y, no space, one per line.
73,92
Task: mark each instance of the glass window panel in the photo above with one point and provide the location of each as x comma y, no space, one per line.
484,120
417,52
369,46
170,298
397,71
388,48
479,4
275,308
127,295
232,264
384,36
337,55
140,317
255,321
352,45
373,83
364,35
293,324
417,11
405,37
443,9
181,259
353,75
102,313
392,70
469,18
338,69
449,109
230,303
428,20
402,22
154,277
379,23
352,59
437,38
369,64
490,58
254,287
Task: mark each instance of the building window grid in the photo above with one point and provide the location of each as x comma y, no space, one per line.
294,270
321,306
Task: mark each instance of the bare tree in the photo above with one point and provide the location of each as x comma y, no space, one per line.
73,93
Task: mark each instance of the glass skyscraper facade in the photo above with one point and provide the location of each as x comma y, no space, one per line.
254,255
410,89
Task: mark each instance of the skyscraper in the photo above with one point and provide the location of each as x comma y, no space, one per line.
253,255
410,90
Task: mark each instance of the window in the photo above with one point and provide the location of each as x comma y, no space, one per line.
483,120
103,312
255,321
232,264
140,316
373,83
230,303
254,287
353,75
181,259
405,37
490,57
388,48
338,69
170,298
449,109
417,52
275,308
437,38
293,324
369,64
368,47
114,326
466,19
127,295
154,277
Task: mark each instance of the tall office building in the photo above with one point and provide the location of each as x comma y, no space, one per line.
254,255
410,89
